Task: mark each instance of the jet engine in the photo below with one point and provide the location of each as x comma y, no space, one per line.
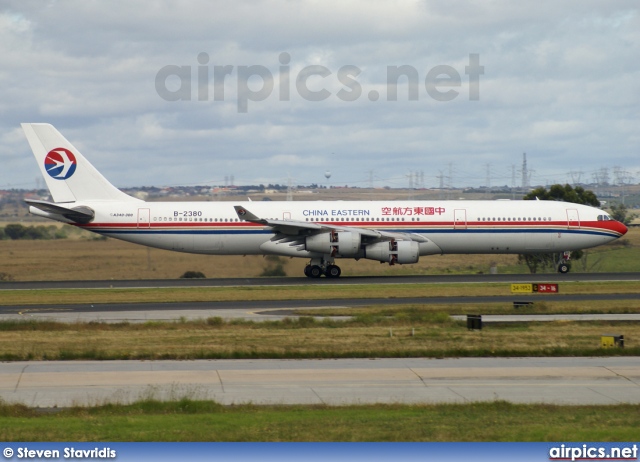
334,243
392,252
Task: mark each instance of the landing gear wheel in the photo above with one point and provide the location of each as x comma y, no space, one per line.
333,271
306,271
314,271
563,268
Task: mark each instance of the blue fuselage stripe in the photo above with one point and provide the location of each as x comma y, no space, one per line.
146,231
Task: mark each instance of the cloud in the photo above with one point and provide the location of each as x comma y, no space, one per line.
560,82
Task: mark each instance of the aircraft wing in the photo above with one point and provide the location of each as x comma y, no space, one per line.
297,228
283,226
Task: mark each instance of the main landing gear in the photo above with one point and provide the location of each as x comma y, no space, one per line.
320,266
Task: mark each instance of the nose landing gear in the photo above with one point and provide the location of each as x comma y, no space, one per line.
563,264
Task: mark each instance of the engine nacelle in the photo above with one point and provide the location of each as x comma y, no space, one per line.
392,252
334,243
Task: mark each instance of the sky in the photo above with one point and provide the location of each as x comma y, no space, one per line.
167,93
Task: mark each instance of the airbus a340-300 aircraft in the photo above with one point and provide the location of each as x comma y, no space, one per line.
394,232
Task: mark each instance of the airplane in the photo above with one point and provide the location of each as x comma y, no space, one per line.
393,232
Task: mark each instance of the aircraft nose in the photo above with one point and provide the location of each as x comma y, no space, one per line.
621,228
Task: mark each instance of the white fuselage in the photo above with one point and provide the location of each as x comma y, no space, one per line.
440,227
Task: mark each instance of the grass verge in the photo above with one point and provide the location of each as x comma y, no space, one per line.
188,420
73,259
312,291
405,334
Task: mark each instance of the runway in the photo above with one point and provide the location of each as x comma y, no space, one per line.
295,281
574,381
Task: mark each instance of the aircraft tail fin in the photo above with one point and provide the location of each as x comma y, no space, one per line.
69,176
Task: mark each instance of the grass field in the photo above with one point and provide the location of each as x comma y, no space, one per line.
398,332
84,258
187,420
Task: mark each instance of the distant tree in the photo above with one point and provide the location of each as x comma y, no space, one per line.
566,193
36,232
557,192
620,213
15,231
5,277
193,275
275,266
538,261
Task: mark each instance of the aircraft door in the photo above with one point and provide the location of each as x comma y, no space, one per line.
144,220
573,220
460,219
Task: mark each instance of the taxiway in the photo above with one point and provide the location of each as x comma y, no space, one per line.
579,381
263,310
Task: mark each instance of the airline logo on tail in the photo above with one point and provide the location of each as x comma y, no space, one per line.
60,163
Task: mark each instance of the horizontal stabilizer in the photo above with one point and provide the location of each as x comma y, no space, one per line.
79,214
